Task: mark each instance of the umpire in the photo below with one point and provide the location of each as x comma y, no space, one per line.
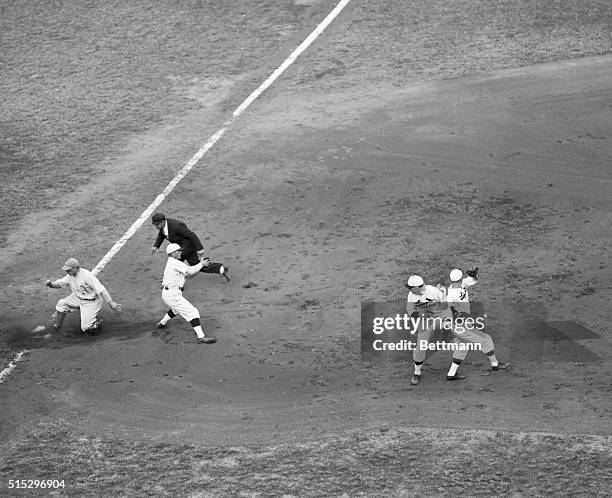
176,232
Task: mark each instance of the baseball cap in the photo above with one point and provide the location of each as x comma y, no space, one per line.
158,217
415,281
171,248
71,263
456,275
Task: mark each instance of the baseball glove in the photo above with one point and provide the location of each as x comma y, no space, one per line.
473,273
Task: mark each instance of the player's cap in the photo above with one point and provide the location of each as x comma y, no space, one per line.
171,248
157,217
70,264
456,275
414,281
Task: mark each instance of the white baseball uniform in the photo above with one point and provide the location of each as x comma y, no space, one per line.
459,298
173,283
431,304
86,290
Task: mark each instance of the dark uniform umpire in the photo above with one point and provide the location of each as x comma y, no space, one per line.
176,231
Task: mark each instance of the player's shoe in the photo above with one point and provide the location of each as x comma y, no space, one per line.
160,325
225,273
500,366
415,379
455,377
95,328
206,340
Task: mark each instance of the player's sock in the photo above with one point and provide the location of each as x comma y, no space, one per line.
492,359
417,368
195,323
167,317
453,368
58,319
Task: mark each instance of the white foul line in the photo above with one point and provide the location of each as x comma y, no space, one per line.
215,138
5,373
200,153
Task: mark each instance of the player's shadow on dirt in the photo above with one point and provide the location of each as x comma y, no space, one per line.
555,340
179,332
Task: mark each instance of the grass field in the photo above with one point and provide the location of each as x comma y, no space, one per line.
405,462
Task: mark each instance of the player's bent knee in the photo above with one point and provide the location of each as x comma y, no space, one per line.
62,307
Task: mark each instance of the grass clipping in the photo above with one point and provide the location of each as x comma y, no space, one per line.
430,462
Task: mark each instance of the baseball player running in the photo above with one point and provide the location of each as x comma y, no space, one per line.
87,296
172,294
176,231
425,301
458,299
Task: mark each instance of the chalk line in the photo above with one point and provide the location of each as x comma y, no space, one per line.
217,136
6,372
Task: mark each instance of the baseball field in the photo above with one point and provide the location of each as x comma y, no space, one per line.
410,137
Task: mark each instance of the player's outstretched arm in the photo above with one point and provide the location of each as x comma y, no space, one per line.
192,270
109,300
57,284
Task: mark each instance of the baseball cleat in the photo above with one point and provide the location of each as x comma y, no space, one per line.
415,379
226,273
455,377
206,340
160,325
501,366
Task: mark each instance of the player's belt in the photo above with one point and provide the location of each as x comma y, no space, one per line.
88,299
168,288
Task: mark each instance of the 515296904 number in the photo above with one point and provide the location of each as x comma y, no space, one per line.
36,483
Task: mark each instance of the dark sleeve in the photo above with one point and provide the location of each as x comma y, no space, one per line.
160,238
185,233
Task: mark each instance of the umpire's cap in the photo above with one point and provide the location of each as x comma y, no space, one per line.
157,217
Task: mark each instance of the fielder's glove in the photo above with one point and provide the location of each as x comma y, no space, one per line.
473,273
